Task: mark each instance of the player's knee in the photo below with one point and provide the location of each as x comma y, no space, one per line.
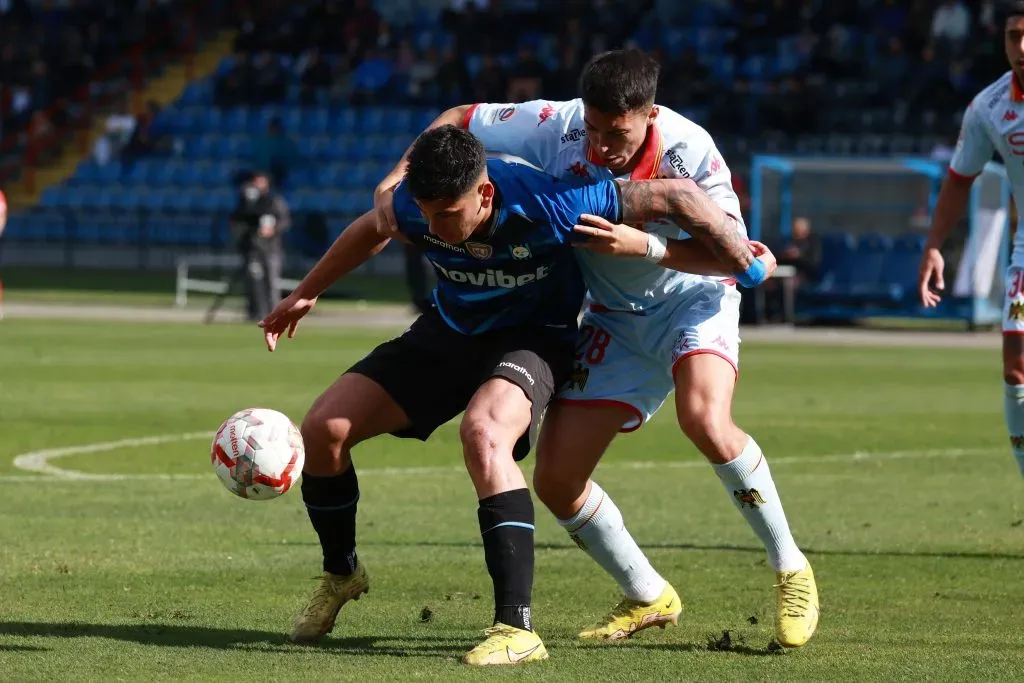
485,442
709,427
557,489
1013,371
327,440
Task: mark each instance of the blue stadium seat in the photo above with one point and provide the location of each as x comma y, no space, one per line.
838,263
867,282
234,120
315,121
901,268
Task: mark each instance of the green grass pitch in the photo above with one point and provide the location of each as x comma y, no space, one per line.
892,463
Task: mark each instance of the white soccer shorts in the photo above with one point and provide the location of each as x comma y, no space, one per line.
630,360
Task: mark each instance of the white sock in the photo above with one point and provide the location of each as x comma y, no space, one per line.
1013,409
749,483
599,530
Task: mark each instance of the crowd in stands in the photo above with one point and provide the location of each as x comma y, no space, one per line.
56,53
749,66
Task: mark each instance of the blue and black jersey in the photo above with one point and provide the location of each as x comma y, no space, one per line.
523,270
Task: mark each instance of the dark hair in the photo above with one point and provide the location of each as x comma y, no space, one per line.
444,163
620,81
1005,9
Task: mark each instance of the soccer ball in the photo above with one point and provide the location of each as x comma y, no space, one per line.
258,453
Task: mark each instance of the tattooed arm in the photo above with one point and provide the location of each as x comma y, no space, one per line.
682,201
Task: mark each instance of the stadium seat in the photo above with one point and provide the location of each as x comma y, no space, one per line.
867,282
901,267
838,263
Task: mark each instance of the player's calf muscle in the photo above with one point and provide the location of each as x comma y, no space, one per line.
1013,359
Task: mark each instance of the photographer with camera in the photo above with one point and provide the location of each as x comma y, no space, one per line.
257,226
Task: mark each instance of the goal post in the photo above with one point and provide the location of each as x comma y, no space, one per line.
871,216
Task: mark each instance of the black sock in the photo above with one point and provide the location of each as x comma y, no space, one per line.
331,506
506,524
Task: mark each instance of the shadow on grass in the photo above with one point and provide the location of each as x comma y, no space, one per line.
169,635
569,547
22,648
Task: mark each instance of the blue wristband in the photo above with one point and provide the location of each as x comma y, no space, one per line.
753,275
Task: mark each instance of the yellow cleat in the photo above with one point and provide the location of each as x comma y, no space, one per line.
506,645
630,616
317,618
796,603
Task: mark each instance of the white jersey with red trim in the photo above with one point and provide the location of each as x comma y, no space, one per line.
551,136
994,122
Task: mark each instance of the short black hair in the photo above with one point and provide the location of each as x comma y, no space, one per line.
620,81
1005,9
444,162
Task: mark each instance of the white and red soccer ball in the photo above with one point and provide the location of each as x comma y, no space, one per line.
258,453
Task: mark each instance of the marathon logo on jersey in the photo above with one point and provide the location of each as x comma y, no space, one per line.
675,160
444,245
520,251
492,278
479,250
503,115
546,113
574,135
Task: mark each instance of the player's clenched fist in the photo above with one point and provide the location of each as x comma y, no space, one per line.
285,317
762,253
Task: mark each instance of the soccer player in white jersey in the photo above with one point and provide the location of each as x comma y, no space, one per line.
993,122
648,331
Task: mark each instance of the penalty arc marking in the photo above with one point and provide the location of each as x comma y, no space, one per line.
40,464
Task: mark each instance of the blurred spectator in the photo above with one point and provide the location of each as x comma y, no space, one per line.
802,251
371,77
258,225
527,77
951,26
491,83
315,76
275,153
146,139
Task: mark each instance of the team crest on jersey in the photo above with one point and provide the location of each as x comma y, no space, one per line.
578,378
520,251
1016,312
479,250
748,497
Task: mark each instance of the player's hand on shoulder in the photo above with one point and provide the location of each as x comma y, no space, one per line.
929,279
606,237
285,316
762,253
384,211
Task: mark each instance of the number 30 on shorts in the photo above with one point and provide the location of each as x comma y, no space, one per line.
592,344
1016,286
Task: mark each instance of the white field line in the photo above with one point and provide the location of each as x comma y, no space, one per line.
40,465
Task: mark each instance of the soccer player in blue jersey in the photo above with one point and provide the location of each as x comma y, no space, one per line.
498,344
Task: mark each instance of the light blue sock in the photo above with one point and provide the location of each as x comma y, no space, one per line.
1013,407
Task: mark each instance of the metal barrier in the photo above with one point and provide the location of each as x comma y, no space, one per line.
231,262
